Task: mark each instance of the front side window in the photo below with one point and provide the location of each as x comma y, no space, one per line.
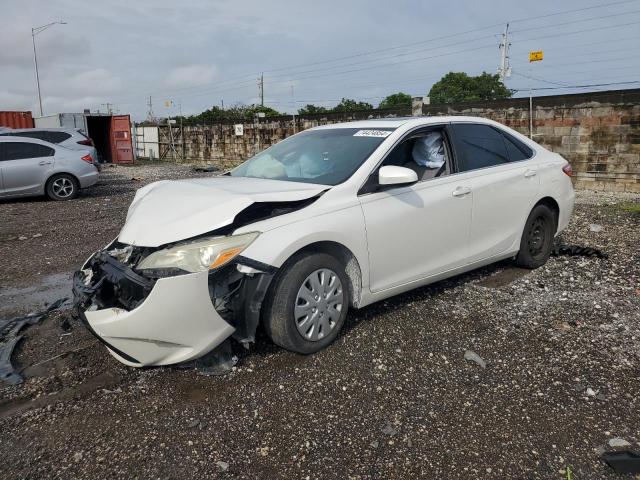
425,152
478,146
23,150
326,156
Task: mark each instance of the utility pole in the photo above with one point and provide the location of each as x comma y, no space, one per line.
150,115
35,31
293,104
504,69
109,107
261,88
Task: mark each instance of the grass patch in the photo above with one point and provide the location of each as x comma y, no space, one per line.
629,207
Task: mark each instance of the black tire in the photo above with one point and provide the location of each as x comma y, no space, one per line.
278,315
537,238
62,186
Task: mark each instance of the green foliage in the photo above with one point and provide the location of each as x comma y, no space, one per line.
310,109
236,113
397,100
457,87
350,105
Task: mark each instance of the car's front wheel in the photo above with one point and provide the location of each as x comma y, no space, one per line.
62,187
308,303
537,238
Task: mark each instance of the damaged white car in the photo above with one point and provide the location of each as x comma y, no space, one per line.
335,217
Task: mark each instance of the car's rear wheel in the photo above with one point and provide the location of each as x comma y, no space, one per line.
537,238
308,303
62,187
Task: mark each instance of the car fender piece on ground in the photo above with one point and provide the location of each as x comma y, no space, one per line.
10,335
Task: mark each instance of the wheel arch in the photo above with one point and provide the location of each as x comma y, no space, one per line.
345,256
552,204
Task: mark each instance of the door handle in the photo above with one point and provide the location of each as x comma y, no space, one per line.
530,173
44,162
461,191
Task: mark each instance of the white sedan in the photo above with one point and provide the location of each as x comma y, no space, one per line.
335,217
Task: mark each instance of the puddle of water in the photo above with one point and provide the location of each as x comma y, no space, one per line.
20,301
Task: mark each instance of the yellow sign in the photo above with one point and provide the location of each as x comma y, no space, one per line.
536,56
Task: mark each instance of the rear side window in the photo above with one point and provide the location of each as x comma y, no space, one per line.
478,146
57,137
23,150
516,149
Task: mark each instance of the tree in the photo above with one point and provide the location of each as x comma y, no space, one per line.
397,100
350,105
459,87
310,109
236,113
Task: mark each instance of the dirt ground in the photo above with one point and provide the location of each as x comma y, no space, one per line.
394,396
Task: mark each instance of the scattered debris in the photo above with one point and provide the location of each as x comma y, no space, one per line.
576,250
594,227
471,356
206,168
622,462
136,179
374,444
389,430
591,392
618,442
10,336
219,361
224,466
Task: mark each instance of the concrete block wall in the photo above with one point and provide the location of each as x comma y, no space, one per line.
599,133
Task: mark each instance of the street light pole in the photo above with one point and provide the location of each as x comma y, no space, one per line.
34,32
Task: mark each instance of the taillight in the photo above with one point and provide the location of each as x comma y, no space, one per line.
88,141
87,158
568,171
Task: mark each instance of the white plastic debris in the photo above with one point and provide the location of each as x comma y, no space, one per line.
618,442
594,227
471,356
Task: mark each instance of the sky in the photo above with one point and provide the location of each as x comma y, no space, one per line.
195,54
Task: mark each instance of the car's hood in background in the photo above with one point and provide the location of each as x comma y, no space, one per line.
172,210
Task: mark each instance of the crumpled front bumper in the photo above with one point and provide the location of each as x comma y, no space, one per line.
175,322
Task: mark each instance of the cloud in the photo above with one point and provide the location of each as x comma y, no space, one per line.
191,76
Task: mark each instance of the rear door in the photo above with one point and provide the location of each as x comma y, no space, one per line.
503,185
25,167
121,145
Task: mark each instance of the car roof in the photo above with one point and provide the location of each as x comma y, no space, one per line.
395,122
44,129
10,138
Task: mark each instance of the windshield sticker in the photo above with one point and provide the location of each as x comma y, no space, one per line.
372,133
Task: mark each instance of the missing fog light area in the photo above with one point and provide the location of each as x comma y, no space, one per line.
238,296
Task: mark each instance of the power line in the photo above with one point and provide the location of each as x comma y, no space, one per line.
372,52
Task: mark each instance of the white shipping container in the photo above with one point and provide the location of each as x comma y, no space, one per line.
62,120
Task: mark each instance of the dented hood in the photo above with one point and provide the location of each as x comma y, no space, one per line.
172,210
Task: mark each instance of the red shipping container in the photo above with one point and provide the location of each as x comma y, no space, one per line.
16,120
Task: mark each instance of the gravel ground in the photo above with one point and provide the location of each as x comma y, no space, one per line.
394,396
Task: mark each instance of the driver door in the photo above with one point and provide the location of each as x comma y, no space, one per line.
419,230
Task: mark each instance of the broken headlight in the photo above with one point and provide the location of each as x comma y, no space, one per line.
199,256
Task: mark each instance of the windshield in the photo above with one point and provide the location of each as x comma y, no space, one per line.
326,157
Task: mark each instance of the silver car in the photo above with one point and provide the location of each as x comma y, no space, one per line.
34,167
67,137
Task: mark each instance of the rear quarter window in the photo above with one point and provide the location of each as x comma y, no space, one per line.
516,150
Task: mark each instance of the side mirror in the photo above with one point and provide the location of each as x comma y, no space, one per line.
392,175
